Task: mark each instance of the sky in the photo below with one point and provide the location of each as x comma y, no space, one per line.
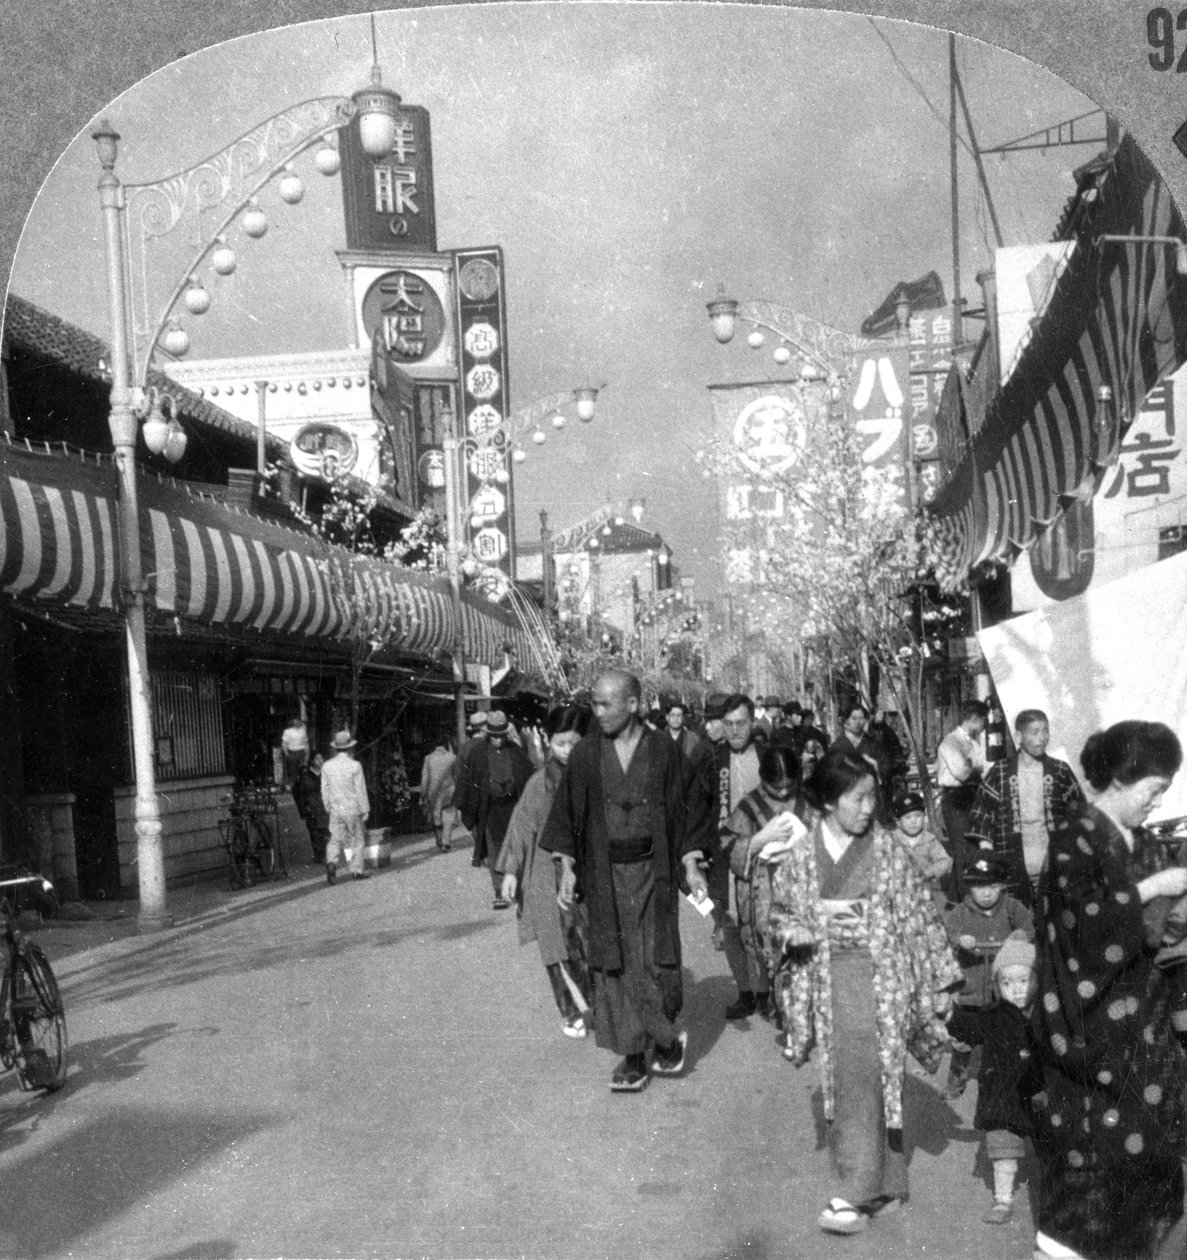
629,159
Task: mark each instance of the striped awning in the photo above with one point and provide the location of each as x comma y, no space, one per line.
206,561
1117,317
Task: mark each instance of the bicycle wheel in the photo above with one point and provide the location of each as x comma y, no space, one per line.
37,1019
240,843
263,851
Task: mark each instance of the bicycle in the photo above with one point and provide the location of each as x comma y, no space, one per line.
32,1017
250,835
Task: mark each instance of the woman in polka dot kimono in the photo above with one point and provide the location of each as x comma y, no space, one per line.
1110,1123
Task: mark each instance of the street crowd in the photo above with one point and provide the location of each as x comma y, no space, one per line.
1038,944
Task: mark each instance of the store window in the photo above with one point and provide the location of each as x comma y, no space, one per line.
189,725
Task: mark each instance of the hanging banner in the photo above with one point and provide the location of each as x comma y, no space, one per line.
766,424
1135,519
878,405
1087,667
485,404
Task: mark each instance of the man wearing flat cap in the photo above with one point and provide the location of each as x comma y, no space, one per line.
491,780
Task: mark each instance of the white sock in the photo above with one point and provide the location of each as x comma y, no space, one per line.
1004,1172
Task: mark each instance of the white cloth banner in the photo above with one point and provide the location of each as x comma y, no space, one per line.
1118,651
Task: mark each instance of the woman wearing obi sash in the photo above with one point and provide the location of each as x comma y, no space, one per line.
864,974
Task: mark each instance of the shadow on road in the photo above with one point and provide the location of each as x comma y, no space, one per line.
207,1249
705,1001
750,1246
104,1168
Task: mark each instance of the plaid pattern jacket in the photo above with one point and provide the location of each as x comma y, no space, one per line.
995,821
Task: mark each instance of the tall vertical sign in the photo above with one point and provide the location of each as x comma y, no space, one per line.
929,339
488,507
388,202
878,404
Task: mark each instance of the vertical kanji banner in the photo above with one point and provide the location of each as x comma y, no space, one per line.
488,510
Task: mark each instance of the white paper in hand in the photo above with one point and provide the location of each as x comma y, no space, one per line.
790,832
703,907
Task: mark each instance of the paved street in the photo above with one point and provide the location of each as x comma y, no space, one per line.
377,1070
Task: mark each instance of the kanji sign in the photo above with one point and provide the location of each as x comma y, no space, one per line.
482,324
388,202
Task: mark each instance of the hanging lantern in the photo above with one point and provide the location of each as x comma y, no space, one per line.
255,221
782,355
175,442
519,455
755,340
539,437
197,300
327,161
558,421
291,187
223,259
176,340
156,427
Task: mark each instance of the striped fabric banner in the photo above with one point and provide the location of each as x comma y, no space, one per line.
58,534
205,561
1118,317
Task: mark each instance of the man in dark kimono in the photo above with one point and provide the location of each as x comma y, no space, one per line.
491,780
622,826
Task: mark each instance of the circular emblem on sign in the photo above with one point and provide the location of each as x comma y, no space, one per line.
490,544
488,504
430,468
479,279
493,584
925,439
324,450
769,433
483,419
482,382
405,311
485,464
481,340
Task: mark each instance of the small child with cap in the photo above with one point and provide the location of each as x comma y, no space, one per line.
1010,1072
928,855
976,927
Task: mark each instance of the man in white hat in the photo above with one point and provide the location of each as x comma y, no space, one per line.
344,794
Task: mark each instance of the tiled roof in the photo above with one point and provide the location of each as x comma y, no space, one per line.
53,338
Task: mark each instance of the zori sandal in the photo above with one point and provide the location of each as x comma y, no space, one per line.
841,1217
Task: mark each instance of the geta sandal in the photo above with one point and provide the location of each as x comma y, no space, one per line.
841,1217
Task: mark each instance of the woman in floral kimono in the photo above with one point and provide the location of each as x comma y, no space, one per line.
1110,1127
863,973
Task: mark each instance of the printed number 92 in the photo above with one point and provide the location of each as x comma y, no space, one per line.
1161,25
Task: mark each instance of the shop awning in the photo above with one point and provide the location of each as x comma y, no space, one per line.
206,561
1117,317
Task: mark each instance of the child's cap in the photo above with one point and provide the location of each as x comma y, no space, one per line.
908,803
986,868
1016,951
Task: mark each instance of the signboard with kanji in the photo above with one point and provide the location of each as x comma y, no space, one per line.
388,203
430,402
484,404
929,342
402,309
1138,515
766,424
878,405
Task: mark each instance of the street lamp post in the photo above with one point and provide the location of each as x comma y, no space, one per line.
135,406
123,424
